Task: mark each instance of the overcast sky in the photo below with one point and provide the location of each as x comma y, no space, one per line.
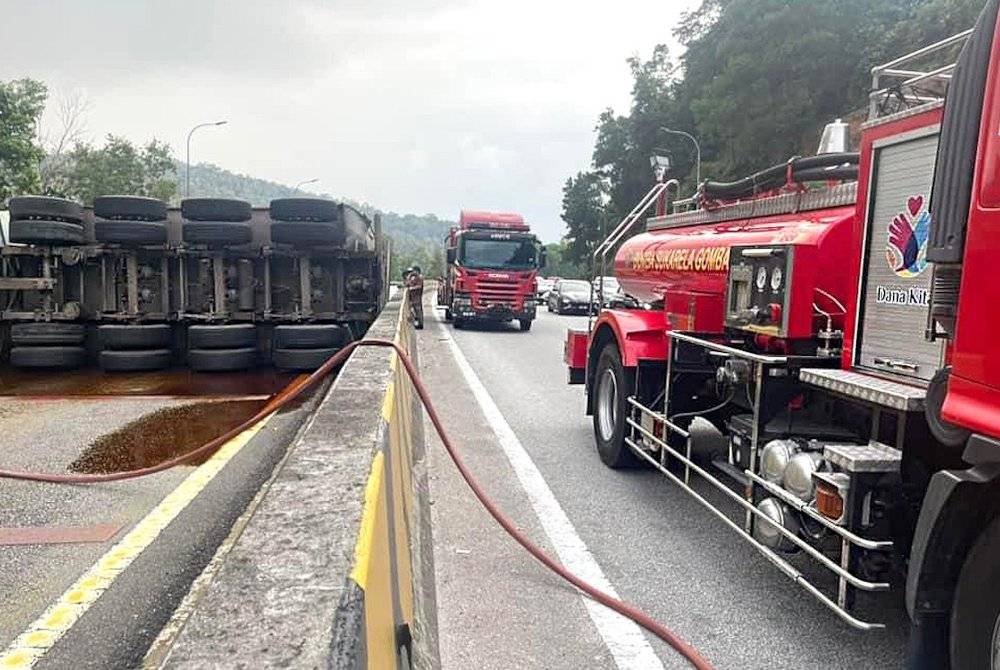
412,105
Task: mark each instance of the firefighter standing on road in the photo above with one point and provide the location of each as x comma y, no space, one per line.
414,282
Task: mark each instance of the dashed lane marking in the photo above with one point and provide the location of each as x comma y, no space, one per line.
624,639
31,645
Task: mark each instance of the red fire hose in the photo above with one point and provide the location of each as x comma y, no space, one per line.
296,388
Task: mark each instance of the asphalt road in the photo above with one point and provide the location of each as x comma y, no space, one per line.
656,545
118,627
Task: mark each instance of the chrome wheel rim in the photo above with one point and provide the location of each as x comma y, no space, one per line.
607,404
995,646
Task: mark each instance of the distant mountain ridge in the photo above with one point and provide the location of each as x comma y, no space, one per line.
416,238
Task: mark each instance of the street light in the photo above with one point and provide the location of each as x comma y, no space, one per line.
303,183
697,149
187,184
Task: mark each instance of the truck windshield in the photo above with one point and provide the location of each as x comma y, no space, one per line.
498,254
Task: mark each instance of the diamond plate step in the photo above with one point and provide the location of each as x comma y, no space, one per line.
865,387
871,457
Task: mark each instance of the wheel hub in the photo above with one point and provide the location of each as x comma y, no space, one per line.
607,404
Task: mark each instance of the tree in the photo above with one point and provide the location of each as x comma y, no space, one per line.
558,263
585,216
120,168
71,127
21,104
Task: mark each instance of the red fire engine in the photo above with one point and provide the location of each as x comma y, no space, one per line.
493,261
833,317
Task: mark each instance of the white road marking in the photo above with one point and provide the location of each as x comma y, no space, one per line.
623,637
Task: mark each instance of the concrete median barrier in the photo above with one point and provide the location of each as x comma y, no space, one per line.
332,565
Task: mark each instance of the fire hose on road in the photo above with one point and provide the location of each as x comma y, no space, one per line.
299,386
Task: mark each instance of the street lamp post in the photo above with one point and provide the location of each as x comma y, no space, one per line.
697,149
187,180
303,183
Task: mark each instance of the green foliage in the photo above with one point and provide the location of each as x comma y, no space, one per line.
585,217
117,168
756,84
21,104
559,264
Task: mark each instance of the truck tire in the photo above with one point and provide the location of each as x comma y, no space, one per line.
217,232
215,209
221,360
32,207
319,336
135,360
230,336
304,209
301,359
46,232
129,208
459,323
525,325
447,313
147,336
55,358
975,613
46,333
613,383
307,232
127,231
948,434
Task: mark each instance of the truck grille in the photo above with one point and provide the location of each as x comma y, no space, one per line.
498,292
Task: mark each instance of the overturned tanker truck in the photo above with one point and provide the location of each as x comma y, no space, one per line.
841,335
130,284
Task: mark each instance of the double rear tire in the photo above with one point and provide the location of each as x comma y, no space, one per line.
43,345
307,347
136,347
222,348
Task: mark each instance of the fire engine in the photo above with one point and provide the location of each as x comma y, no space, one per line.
833,317
493,261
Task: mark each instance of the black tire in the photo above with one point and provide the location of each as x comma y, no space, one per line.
525,325
130,231
29,207
447,313
320,336
46,232
22,334
947,433
231,336
215,209
217,232
975,613
135,361
304,209
151,336
458,323
129,208
307,232
221,360
55,358
301,359
610,439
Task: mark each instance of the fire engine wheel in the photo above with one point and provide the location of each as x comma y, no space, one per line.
217,232
129,208
55,358
136,360
150,336
45,232
311,336
612,384
221,360
307,232
136,231
231,336
215,209
46,333
975,614
525,324
25,207
947,433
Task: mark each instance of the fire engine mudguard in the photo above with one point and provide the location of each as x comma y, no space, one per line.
957,506
638,334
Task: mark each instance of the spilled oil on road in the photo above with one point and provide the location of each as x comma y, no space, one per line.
164,434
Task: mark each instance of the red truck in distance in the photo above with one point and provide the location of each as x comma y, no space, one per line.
835,318
492,267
